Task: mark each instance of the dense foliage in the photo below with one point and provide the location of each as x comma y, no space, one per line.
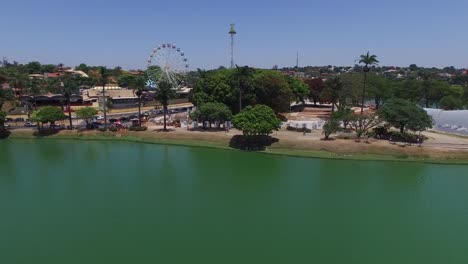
404,114
212,113
48,114
256,120
248,86
87,114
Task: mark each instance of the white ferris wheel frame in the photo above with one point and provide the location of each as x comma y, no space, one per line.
172,61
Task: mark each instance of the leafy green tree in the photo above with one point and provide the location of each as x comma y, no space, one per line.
379,89
212,112
413,67
408,89
427,86
82,67
432,90
361,124
299,89
33,67
125,80
243,80
272,89
256,120
450,102
87,114
460,79
404,114
352,89
215,86
332,91
330,127
452,90
48,114
367,60
164,93
35,86
48,68
345,115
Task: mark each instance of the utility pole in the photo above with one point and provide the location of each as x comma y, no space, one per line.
232,32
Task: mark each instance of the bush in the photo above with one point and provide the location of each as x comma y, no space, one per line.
330,127
381,132
404,137
4,133
113,129
138,128
257,120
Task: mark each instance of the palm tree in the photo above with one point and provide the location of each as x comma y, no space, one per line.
367,60
243,76
102,80
164,93
138,86
68,86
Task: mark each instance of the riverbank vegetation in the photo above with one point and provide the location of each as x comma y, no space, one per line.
337,149
254,99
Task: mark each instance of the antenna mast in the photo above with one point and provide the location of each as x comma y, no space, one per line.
232,32
297,60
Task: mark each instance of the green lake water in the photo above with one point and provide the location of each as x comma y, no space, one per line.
116,202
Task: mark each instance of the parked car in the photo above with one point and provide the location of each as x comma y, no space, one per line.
29,124
123,119
8,119
133,117
113,120
99,117
19,119
6,126
119,125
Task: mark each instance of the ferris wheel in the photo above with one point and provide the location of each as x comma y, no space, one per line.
172,63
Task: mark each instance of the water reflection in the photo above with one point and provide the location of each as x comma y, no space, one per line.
125,199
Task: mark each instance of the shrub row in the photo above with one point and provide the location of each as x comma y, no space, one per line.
383,133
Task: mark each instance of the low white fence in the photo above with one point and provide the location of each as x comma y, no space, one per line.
312,125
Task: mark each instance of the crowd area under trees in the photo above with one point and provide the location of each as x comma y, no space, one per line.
255,99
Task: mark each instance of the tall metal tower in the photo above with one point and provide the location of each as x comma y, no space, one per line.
232,32
297,60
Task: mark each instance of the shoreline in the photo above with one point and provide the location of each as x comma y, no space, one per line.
375,151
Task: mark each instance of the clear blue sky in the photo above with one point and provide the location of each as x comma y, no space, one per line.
400,32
